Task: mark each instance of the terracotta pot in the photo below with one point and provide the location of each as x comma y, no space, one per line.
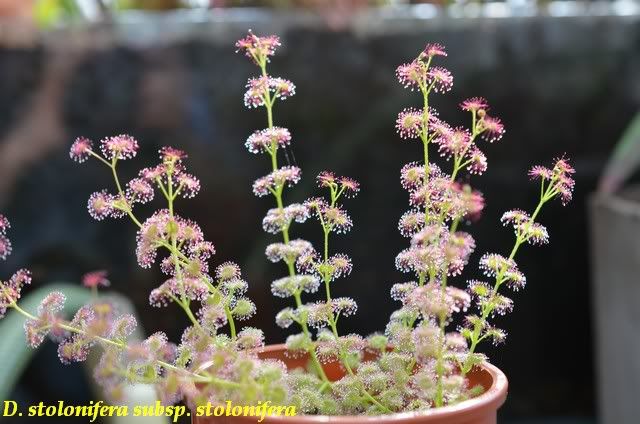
479,410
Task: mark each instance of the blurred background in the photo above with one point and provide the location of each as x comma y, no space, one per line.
564,77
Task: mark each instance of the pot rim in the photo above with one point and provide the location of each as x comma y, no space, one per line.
492,398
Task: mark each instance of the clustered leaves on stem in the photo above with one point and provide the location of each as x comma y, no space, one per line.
421,360
208,364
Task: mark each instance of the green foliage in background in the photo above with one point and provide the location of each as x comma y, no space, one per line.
14,351
48,12
625,159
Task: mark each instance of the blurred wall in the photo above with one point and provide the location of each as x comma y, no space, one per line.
561,85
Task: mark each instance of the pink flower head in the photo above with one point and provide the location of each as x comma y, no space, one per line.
282,88
10,291
316,203
33,332
268,139
5,247
326,179
287,175
8,296
412,75
562,166
188,185
153,230
156,342
100,205
409,123
95,279
515,279
212,317
153,173
160,296
411,222
288,286
52,303
139,191
172,155
540,172
535,233
515,217
193,288
202,250
434,49
73,349
337,219
532,232
563,175
318,314
560,178
259,88
4,224
473,201
341,265
262,186
344,306
350,187
400,291
479,289
440,78
457,251
123,326
454,143
19,279
493,264
428,300
119,147
80,149
228,271
477,161
474,104
438,126
277,219
250,338
188,231
412,175
492,128
258,49
289,252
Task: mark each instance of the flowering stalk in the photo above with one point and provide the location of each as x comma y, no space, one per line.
221,295
333,218
63,325
264,91
556,182
140,191
438,249
93,323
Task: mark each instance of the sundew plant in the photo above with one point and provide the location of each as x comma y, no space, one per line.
425,354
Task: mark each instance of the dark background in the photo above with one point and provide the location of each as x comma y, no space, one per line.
561,85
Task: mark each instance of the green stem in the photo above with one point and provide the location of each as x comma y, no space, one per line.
488,307
364,390
122,345
269,102
232,325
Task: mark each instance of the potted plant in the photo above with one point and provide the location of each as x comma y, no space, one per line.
421,368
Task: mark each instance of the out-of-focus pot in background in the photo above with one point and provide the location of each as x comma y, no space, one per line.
615,247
